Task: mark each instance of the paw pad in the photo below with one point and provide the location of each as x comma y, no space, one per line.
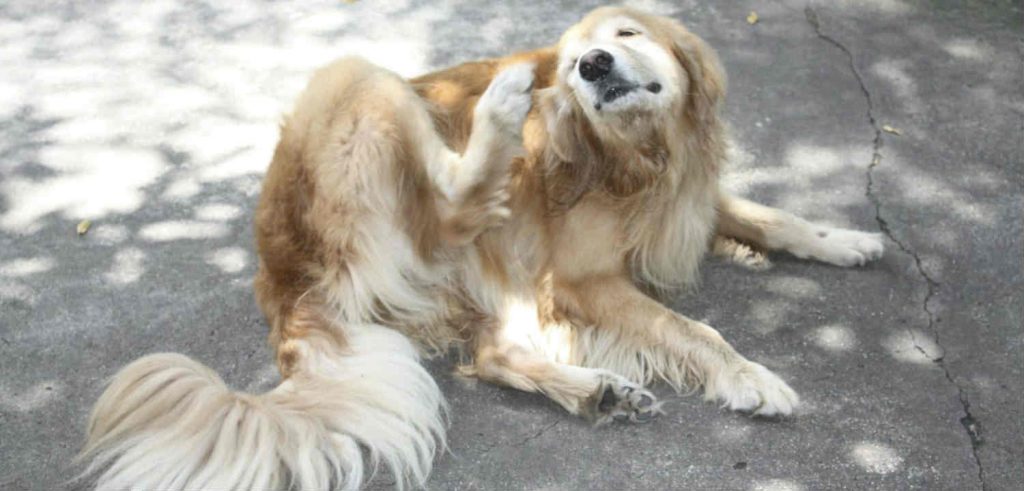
624,401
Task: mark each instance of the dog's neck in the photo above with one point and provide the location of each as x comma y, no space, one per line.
628,158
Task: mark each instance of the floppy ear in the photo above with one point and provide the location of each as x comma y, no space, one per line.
572,164
705,73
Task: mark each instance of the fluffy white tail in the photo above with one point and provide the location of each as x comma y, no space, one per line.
168,422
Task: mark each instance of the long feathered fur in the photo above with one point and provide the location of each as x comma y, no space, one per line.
168,422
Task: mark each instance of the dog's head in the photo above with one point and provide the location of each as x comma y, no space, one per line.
629,86
620,61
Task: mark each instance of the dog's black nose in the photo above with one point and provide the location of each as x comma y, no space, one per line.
595,64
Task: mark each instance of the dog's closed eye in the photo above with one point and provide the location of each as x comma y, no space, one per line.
625,33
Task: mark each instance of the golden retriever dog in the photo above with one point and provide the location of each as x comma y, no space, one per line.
518,208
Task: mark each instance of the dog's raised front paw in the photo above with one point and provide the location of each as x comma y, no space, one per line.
618,399
508,98
750,387
841,247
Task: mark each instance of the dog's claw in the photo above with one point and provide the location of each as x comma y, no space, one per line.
623,401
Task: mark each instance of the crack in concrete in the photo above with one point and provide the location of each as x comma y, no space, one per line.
971,425
524,440
537,434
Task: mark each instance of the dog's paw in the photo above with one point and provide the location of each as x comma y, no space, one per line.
508,98
750,387
618,399
739,253
841,247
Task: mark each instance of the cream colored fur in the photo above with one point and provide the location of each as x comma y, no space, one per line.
168,422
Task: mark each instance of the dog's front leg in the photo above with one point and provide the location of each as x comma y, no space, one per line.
505,353
700,352
773,229
474,185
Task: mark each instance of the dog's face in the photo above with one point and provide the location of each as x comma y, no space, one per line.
635,95
618,63
613,64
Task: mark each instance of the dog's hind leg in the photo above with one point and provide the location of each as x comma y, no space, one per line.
473,186
773,229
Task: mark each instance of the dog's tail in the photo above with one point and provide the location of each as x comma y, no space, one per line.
168,422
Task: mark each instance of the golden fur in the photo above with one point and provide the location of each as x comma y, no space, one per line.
493,206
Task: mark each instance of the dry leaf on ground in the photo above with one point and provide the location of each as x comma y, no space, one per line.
752,18
889,129
83,227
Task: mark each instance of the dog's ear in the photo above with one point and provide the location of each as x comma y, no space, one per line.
705,75
573,164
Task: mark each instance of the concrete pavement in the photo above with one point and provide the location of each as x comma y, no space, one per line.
155,120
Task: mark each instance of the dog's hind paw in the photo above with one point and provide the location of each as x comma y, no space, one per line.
842,247
751,388
508,98
618,399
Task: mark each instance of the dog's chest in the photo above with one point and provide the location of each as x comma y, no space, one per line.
589,239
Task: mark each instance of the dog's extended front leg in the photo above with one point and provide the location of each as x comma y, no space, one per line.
701,354
598,395
774,229
474,186
506,351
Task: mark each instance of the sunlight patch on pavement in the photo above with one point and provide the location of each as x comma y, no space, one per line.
18,268
218,212
108,234
897,74
657,7
182,189
182,229
834,338
968,49
90,182
228,259
127,267
114,93
777,485
815,160
821,179
912,346
876,458
888,7
918,186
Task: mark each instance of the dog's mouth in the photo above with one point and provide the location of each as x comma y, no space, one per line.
615,92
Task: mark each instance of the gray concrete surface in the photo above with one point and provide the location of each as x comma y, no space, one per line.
156,119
